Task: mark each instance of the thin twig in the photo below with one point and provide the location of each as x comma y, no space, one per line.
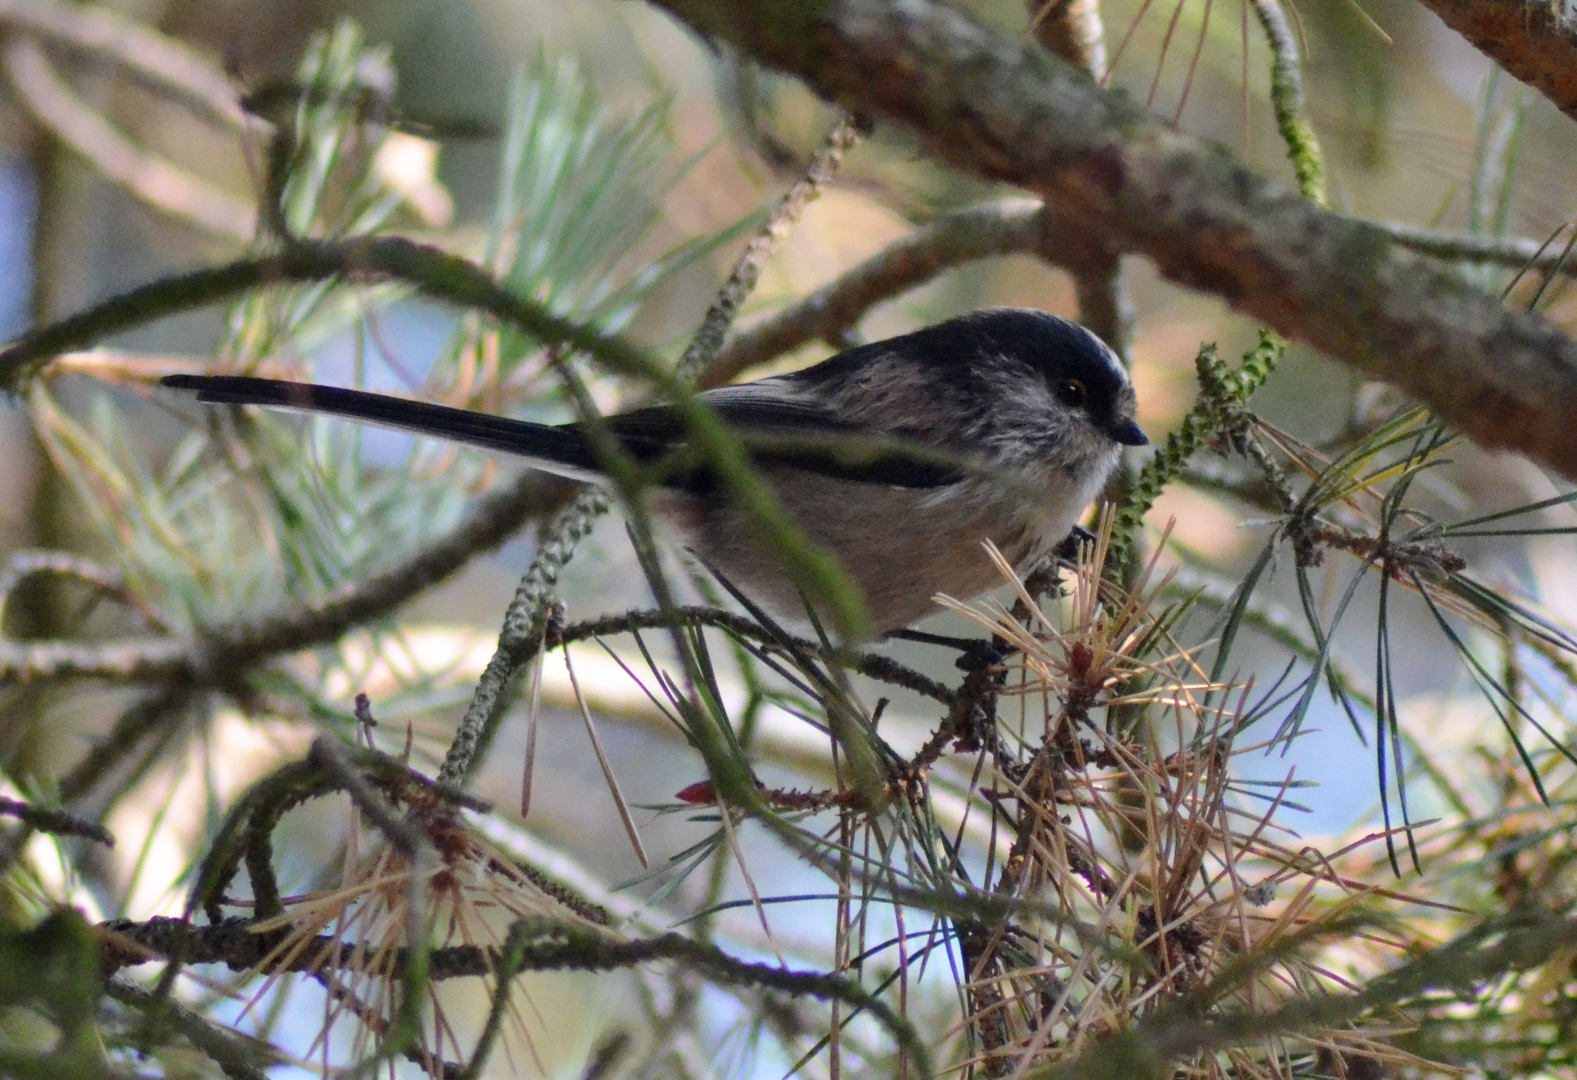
496,517
153,179
224,650
533,947
106,581
829,313
702,351
25,564
1517,253
872,665
402,835
56,822
522,633
235,648
130,662
239,1056
1286,99
431,271
162,62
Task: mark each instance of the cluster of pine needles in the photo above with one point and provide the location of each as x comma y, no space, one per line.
1142,878
422,896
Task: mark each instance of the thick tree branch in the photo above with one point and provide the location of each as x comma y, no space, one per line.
1534,40
1009,111
1005,227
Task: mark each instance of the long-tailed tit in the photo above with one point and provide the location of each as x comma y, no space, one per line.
1014,419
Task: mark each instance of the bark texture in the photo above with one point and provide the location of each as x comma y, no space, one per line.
1535,41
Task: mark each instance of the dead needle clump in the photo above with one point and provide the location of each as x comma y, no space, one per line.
1150,888
456,892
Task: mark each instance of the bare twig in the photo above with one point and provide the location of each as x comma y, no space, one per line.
25,564
239,1056
221,661
430,270
530,948
120,365
871,665
402,835
829,313
160,61
57,822
153,179
495,518
137,660
1515,253
225,650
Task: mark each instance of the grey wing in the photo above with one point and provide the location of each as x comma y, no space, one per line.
782,403
785,422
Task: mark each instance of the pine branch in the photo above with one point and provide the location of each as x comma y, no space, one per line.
1534,40
1009,111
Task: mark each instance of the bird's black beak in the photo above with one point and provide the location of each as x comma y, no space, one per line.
1129,433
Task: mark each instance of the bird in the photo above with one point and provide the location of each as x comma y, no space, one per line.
900,457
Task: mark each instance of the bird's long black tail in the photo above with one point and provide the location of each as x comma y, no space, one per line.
555,449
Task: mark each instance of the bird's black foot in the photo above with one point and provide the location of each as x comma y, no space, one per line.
1067,549
973,653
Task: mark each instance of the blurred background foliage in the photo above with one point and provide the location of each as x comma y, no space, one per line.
599,161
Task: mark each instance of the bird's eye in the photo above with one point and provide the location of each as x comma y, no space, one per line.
1070,392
